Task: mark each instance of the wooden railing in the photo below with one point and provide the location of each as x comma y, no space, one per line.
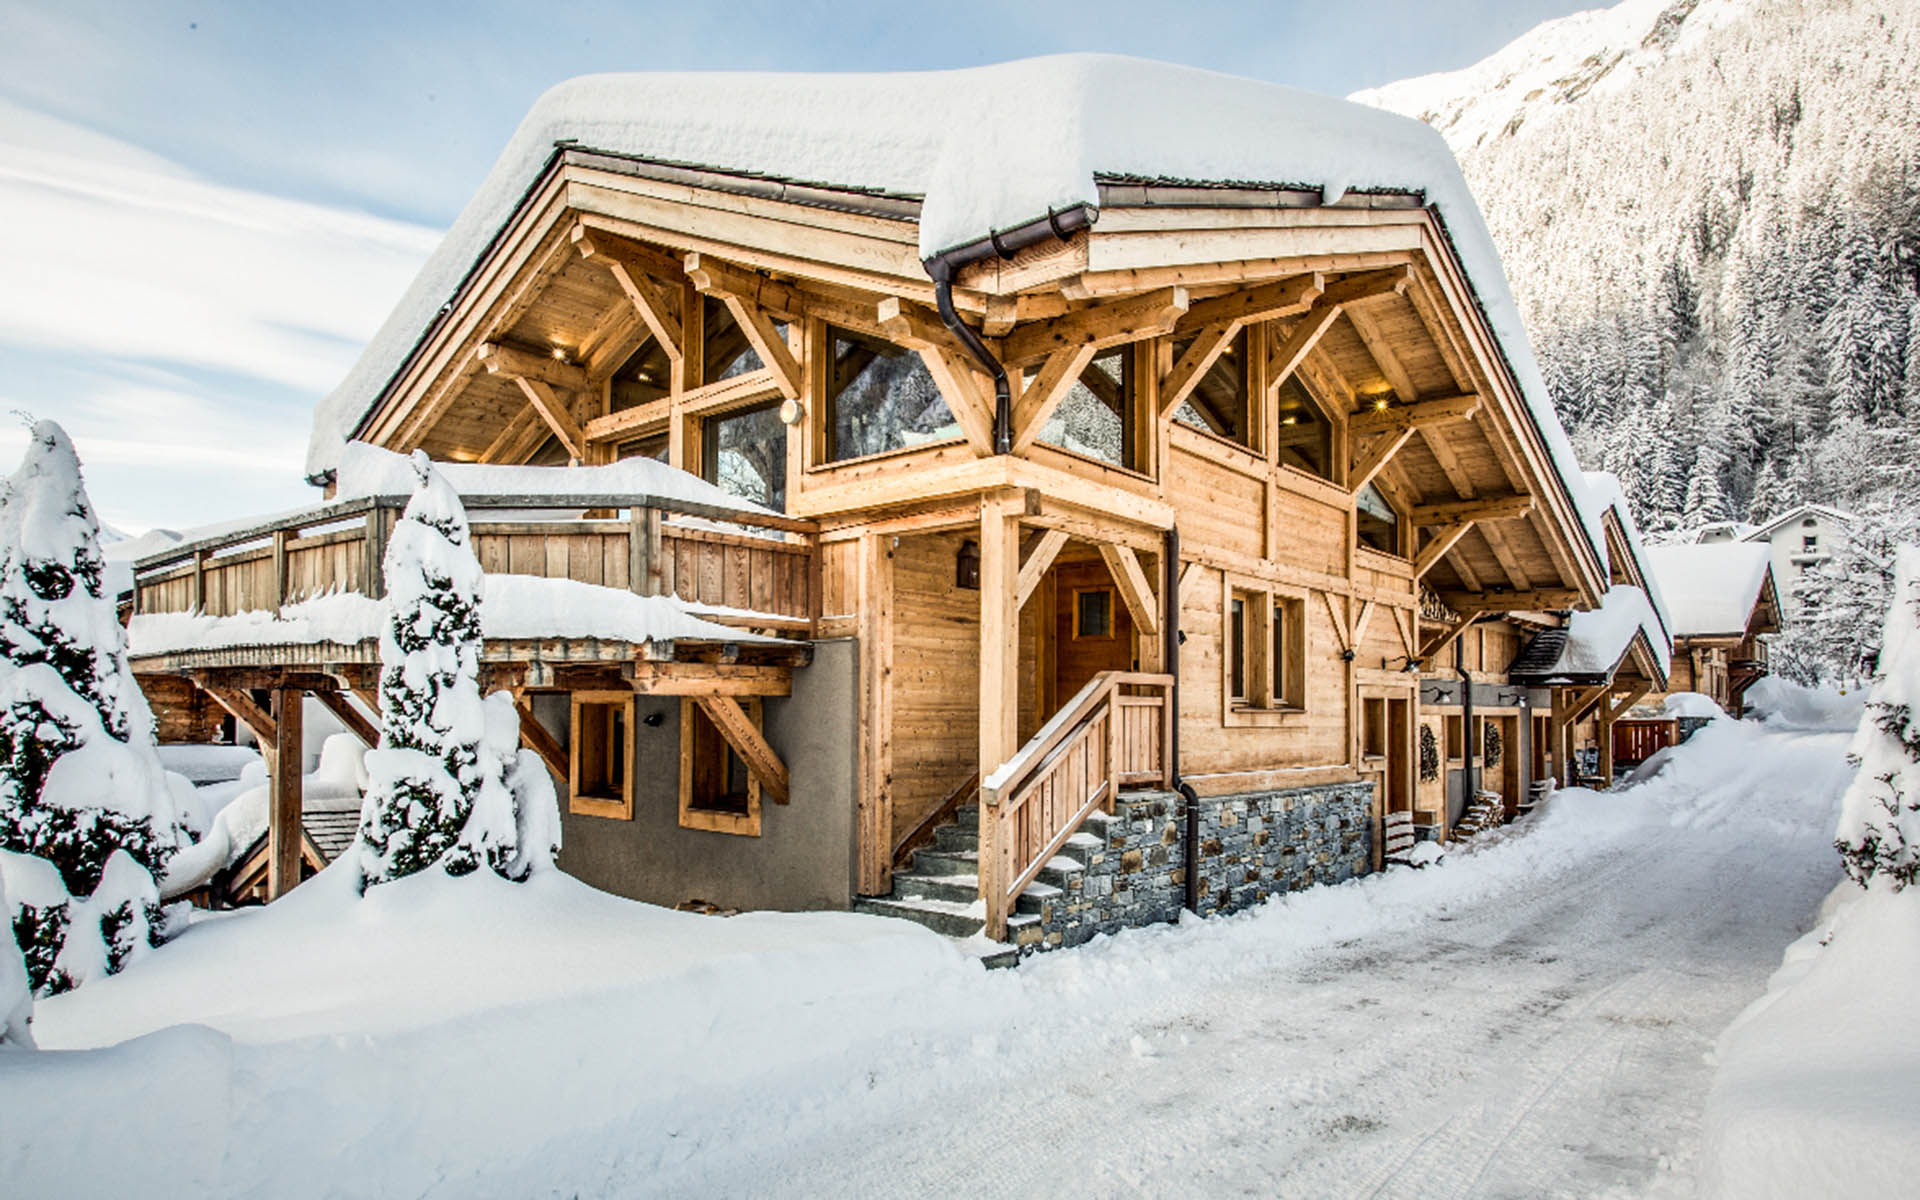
1116,730
765,564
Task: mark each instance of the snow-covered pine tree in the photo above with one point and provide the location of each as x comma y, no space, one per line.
447,787
16,993
84,803
1879,832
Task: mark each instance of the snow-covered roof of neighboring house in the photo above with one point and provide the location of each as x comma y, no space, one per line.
367,470
982,149
1711,590
515,606
1603,489
1597,641
1756,533
1717,531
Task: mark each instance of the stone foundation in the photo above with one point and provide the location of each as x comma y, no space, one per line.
1251,846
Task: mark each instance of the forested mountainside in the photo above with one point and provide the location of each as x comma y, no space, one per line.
1710,212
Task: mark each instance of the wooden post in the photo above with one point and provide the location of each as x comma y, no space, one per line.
376,537
999,683
280,539
1603,721
283,820
197,600
644,567
1557,740
875,805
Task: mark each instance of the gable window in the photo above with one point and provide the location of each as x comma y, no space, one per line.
642,379
745,453
1093,613
881,397
1377,525
1305,438
1809,542
600,754
1219,403
717,792
1097,417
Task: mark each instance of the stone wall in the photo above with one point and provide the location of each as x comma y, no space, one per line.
1132,865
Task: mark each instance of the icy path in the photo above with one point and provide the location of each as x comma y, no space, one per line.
1546,1038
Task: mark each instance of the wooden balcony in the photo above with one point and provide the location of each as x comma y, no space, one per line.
755,572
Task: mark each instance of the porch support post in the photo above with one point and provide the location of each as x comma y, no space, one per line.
283,821
999,682
1603,718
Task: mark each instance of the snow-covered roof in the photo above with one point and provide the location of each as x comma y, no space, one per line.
1598,640
983,149
1755,533
1711,589
1606,495
368,470
515,606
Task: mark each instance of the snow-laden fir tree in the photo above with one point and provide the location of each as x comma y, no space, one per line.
16,994
447,786
1879,833
87,822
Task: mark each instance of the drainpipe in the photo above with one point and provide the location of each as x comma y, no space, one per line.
943,266
1466,724
1170,625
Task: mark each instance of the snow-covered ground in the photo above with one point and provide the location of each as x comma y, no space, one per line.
1534,1017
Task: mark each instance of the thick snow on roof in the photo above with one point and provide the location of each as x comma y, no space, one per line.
985,148
1596,640
1711,589
515,606
1759,532
367,470
1605,494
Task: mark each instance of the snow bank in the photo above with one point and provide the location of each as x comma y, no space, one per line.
1710,589
1783,704
1692,704
515,606
1037,134
1817,1091
368,470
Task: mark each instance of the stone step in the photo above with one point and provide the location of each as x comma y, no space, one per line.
947,917
914,885
952,837
945,862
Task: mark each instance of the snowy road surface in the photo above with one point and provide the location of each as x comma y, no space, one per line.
1547,1039
1531,1018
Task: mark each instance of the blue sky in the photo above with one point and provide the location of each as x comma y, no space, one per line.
208,207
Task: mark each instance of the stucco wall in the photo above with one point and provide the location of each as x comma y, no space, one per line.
804,856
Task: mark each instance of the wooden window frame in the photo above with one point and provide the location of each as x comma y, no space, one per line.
1112,624
1374,728
820,456
1251,341
745,824
1452,738
599,806
1263,599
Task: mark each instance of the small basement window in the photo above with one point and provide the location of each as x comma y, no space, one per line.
1096,417
1219,403
717,792
881,397
1093,612
600,755
745,453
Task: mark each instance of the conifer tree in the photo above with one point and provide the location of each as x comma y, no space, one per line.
1879,832
447,787
85,813
16,993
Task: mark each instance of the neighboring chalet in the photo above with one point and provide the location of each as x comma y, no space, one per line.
1013,448
1798,540
1721,599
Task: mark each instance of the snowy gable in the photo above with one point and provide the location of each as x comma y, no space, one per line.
982,149
1598,640
515,607
1606,495
1711,590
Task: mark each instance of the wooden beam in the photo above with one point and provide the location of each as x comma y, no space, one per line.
1538,600
1282,298
749,743
337,703
512,436
1132,584
1583,701
1448,634
237,702
999,681
1299,342
1442,541
1341,633
287,796
1360,623
1208,344
707,679
1381,348
1368,285
1490,508
501,359
1038,400
556,415
913,326
1633,697
971,406
1035,568
534,736
1438,445
1151,314
1413,416
650,301
1503,552
768,344
1367,463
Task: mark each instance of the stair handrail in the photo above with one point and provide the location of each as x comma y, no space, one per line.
922,833
1006,787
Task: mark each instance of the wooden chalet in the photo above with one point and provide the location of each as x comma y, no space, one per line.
1723,603
1165,500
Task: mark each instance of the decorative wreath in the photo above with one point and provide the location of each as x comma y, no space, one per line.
1494,745
1429,755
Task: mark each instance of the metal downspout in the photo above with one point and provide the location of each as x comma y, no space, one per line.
1472,780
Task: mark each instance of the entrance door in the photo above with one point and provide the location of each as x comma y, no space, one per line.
1092,631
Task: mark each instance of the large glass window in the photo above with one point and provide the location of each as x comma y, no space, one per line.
745,452
1096,417
1379,525
642,379
1219,402
729,353
1305,438
881,397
